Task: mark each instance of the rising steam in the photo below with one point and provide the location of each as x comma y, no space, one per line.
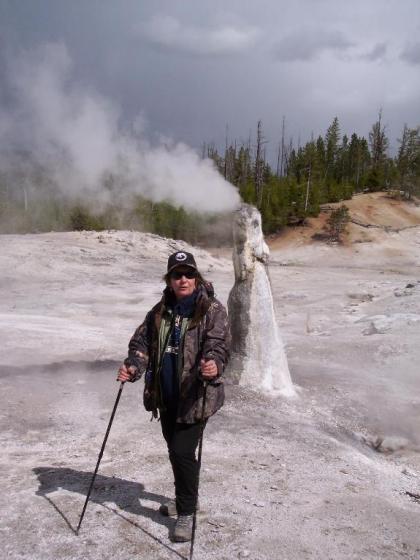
73,136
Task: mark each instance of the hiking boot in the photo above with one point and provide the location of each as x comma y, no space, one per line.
168,509
183,528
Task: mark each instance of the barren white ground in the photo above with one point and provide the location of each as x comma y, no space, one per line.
282,479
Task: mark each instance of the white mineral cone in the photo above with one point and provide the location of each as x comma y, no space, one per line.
258,357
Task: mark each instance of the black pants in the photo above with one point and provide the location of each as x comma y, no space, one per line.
182,441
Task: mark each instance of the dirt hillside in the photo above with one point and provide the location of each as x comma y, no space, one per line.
371,214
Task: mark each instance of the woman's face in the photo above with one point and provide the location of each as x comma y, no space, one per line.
182,280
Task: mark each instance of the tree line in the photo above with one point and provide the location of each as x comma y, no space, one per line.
329,168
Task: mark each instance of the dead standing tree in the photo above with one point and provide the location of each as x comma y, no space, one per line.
379,142
259,165
281,153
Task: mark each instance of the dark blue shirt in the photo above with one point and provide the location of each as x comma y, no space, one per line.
184,308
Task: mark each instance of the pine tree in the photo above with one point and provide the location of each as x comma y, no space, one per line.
379,144
408,160
337,222
332,139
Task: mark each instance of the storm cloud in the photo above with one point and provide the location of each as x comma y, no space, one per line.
191,68
310,43
170,34
378,52
411,53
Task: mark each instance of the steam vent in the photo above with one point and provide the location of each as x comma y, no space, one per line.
258,359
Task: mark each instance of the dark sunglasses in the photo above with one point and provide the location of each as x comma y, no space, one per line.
178,274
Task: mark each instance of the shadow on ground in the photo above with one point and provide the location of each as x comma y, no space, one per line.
126,494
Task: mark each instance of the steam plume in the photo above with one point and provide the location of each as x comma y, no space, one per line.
74,136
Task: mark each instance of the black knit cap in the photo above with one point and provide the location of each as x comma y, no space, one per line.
181,258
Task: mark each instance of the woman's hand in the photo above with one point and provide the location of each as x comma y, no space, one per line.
125,373
208,369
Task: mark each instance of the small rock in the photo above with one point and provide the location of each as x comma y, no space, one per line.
409,472
371,329
259,504
363,297
244,554
388,444
413,496
405,292
344,471
391,444
216,524
274,487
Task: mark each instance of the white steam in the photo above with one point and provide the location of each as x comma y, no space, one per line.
73,136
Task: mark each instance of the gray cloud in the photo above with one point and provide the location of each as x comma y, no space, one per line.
411,53
212,63
376,53
168,33
309,44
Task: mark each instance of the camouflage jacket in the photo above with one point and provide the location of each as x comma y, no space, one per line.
206,335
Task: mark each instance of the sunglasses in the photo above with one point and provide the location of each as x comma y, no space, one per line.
178,274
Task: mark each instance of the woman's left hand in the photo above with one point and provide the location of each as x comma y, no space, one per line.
208,369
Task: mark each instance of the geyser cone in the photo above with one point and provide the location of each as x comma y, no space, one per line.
258,359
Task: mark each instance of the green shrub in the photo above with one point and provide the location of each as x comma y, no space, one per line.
337,223
81,219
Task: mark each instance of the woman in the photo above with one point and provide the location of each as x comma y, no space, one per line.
183,341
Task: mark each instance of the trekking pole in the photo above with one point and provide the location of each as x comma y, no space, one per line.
200,447
100,455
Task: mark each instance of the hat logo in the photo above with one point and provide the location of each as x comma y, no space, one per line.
181,257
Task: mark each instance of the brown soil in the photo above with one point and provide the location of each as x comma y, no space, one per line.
373,209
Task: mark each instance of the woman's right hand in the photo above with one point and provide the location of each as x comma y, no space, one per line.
125,373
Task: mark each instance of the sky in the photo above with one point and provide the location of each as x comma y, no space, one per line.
193,71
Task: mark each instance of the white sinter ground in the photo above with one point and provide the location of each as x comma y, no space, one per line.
282,479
